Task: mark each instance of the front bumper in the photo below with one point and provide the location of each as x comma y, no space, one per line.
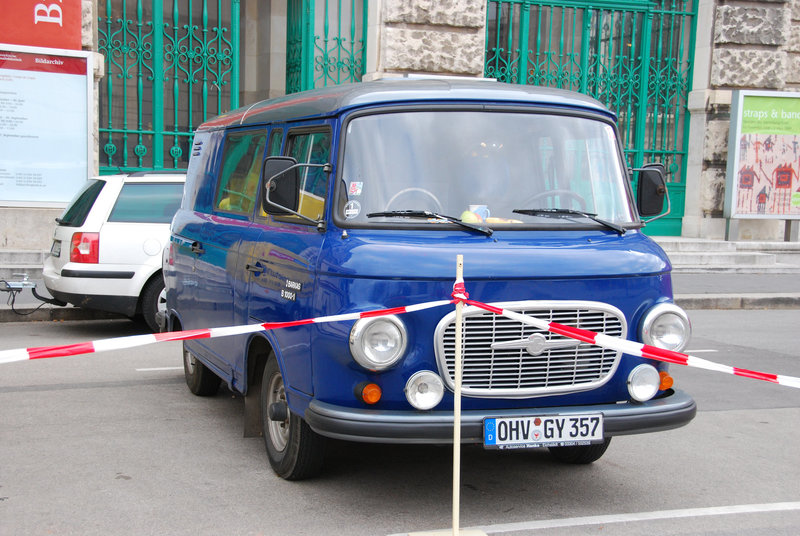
671,411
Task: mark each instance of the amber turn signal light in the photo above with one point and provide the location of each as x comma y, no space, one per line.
369,393
666,381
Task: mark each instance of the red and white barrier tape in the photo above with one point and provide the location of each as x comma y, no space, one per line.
459,294
636,348
119,343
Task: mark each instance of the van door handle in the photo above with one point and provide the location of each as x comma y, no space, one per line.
256,268
197,247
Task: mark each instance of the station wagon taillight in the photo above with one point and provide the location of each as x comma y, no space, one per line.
85,248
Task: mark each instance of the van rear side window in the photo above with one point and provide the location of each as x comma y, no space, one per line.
241,166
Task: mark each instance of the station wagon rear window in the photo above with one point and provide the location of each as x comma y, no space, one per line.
482,166
79,207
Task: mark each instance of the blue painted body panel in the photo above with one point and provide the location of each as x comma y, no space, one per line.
629,272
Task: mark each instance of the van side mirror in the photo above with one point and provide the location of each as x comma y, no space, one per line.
281,185
652,190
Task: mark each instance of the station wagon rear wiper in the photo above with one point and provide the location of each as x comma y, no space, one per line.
565,213
428,214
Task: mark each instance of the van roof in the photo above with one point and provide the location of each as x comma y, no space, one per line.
332,100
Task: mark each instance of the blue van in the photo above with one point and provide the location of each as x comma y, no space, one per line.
360,197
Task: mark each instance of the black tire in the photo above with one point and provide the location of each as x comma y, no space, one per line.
294,450
199,378
153,298
581,454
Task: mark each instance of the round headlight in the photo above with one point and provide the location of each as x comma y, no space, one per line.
643,383
666,326
424,390
379,342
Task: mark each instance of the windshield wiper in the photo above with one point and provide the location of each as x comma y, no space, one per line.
428,214
566,213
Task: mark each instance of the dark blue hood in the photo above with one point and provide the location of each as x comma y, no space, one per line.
431,255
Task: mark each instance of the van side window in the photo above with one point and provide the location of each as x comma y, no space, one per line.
311,148
241,165
275,142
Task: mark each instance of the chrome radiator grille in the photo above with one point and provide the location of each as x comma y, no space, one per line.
506,358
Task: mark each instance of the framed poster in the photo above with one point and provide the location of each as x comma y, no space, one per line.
45,127
762,179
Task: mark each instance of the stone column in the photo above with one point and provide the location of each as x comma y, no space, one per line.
755,46
263,51
445,37
88,42
695,221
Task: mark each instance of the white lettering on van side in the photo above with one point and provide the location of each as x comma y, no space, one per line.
294,285
288,295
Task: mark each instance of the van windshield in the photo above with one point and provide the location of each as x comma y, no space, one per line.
494,168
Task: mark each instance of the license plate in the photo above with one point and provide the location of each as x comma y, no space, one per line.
55,250
542,431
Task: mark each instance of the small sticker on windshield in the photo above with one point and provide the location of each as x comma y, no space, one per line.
355,188
352,209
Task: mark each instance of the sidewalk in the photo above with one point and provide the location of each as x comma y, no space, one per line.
736,291
691,291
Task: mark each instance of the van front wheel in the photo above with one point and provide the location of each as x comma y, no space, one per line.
581,454
294,450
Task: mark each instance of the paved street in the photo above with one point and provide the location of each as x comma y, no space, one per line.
114,443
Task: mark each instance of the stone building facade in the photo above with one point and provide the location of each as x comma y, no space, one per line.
425,36
740,44
748,45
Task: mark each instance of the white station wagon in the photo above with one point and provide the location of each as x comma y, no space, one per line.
107,246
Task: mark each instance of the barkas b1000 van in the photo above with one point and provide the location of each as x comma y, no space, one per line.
359,198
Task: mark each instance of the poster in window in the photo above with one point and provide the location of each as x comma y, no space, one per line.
44,124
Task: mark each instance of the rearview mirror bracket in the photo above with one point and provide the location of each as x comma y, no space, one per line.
651,191
278,167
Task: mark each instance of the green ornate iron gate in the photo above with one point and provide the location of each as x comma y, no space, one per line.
325,43
169,65
634,56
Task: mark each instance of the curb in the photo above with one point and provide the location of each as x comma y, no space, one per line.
739,301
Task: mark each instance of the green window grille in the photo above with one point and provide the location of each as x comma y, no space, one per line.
325,43
169,66
634,56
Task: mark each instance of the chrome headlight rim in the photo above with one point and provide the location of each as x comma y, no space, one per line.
358,343
657,312
432,379
644,382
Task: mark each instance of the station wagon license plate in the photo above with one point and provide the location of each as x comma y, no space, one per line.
55,250
542,431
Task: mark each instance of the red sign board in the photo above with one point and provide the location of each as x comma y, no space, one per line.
45,63
41,23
